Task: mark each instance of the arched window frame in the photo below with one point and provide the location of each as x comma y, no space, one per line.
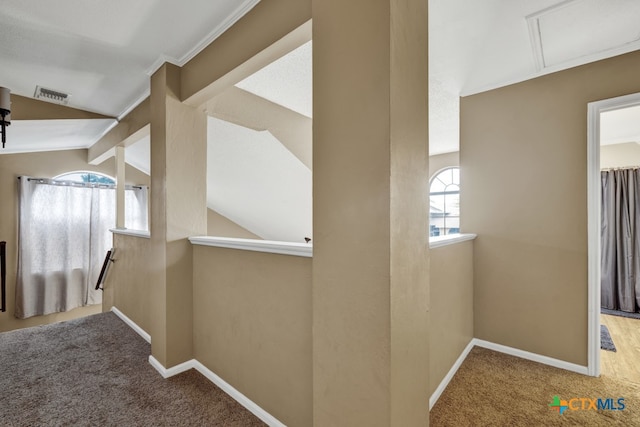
444,202
87,177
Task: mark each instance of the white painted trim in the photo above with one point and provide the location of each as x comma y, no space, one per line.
239,397
133,233
144,95
545,360
250,405
450,239
272,421
159,62
240,11
572,63
234,17
269,246
593,219
447,379
174,370
533,24
132,324
593,240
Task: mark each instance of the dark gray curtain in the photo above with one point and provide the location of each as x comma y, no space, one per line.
620,234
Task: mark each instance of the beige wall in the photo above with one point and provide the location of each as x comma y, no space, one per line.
441,161
620,155
243,108
43,165
127,285
221,226
124,133
23,108
252,326
370,188
524,174
178,211
208,73
451,314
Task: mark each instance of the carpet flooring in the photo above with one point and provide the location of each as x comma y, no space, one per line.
495,389
606,343
95,371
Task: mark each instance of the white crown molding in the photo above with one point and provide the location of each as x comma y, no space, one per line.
238,13
541,69
132,106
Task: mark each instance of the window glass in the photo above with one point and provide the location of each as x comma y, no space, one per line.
83,176
444,200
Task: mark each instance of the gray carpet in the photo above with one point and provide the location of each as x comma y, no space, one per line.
95,371
606,343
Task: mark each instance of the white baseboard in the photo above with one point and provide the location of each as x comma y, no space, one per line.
250,405
445,381
132,324
545,360
174,370
272,421
239,397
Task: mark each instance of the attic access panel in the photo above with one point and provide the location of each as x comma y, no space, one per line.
579,31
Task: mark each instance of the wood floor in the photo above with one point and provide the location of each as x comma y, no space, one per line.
625,363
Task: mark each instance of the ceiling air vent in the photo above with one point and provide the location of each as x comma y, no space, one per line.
52,95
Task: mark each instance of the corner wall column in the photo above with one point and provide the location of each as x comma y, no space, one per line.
371,213
120,186
178,210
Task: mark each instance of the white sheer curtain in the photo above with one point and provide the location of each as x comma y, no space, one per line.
63,237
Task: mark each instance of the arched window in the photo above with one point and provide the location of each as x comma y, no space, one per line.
86,176
444,200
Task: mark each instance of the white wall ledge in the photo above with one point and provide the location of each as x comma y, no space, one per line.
450,239
293,248
134,233
268,246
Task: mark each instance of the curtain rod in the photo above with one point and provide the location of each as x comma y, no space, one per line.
619,168
65,183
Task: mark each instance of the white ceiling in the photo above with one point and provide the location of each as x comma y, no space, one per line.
103,53
255,181
286,81
479,45
620,126
50,135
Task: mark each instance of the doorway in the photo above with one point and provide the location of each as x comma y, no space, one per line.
595,109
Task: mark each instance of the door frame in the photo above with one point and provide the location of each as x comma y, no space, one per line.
593,219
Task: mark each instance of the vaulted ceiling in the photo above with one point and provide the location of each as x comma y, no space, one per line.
103,52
